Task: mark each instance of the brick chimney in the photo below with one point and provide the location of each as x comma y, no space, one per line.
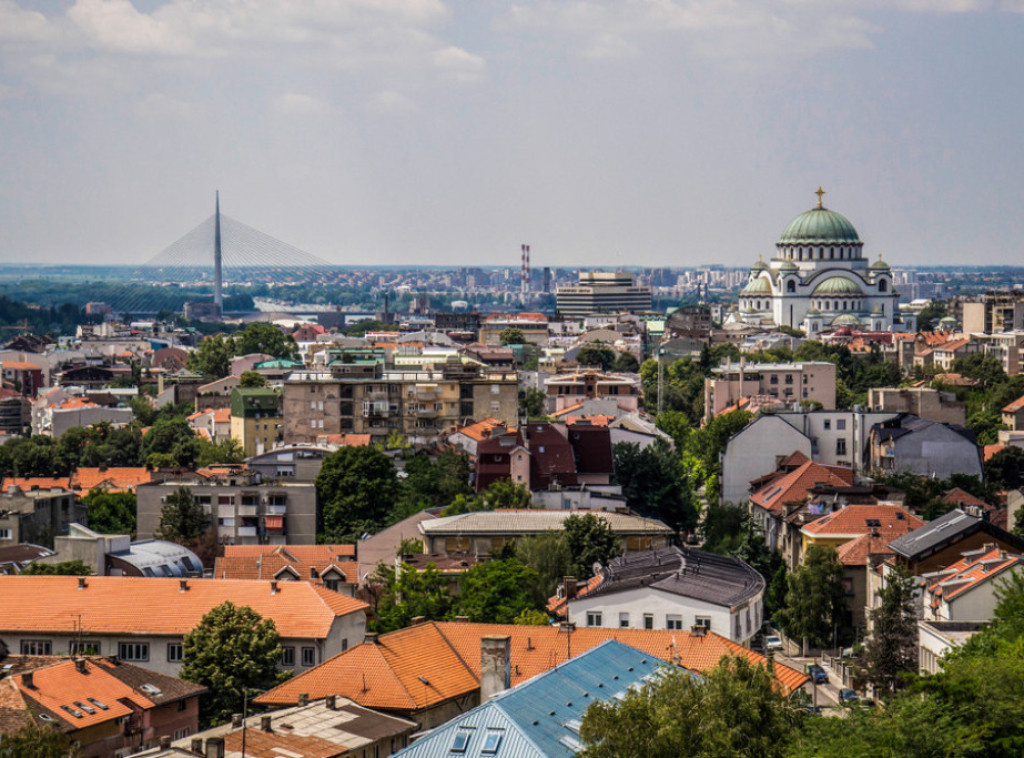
569,587
495,665
28,680
303,698
80,665
236,720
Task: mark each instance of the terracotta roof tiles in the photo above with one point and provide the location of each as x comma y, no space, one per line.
795,486
855,520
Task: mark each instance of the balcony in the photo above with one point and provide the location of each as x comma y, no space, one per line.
277,510
246,531
225,511
248,510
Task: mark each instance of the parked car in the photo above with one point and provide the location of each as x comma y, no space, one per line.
817,673
848,696
773,643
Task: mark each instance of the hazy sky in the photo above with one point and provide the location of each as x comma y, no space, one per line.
601,132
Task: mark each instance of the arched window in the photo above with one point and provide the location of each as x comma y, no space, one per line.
883,285
790,286
832,253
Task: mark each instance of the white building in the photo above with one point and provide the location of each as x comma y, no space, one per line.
819,280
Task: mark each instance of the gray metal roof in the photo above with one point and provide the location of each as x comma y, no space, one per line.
935,533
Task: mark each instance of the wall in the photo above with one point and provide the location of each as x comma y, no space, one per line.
755,451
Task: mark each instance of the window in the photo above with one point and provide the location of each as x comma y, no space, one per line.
133,651
840,424
624,620
790,286
288,656
175,652
828,424
5,534
491,743
774,379
84,648
841,446
673,622
703,621
36,647
456,544
882,285
648,621
180,734
460,742
594,618
309,656
182,706
789,378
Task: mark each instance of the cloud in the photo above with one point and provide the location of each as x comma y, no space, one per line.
298,104
457,64
389,101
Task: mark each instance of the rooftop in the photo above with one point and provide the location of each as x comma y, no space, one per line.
533,522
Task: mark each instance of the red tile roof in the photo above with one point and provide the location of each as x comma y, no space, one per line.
27,483
303,553
1015,406
795,486
959,497
859,551
481,429
973,569
855,520
390,674
117,478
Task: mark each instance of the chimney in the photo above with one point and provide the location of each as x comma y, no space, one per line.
698,630
331,702
569,587
82,584
462,619
495,665
165,742
80,665
197,745
183,583
273,587
417,620
370,638
27,679
236,720
303,698
215,747
265,724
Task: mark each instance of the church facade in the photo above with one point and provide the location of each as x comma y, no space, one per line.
819,280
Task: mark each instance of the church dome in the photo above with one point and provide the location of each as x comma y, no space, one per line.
879,265
757,286
837,285
820,226
789,266
846,319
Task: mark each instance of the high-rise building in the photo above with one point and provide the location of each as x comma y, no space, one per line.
603,292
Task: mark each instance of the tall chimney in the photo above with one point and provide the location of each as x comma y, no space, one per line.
218,278
569,585
495,665
215,747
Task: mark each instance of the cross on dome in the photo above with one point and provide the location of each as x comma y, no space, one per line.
819,192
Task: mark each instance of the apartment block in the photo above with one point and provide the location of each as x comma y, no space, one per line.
256,418
770,383
37,515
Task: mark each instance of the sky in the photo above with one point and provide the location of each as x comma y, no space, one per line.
599,132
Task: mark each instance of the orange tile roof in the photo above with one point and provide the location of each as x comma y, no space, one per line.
481,429
345,440
972,569
557,605
569,409
269,566
796,458
141,605
389,674
991,450
852,520
20,366
858,551
957,496
304,553
795,486
952,346
1015,406
117,478
76,402
27,483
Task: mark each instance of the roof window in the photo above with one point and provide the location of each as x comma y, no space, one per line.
461,742
491,743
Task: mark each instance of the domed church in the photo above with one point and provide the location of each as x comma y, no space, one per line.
819,281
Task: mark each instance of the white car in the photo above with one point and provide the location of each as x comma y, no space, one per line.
772,643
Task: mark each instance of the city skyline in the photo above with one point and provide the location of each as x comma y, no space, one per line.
417,132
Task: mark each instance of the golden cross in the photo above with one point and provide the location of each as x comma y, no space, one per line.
819,192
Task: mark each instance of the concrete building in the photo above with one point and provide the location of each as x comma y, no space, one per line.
37,515
569,390
770,383
15,412
244,511
300,463
603,292
256,419
117,555
994,312
920,401
919,446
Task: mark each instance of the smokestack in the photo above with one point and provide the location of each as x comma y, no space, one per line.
495,665
218,279
184,585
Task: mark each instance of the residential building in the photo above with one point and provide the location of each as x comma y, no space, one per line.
934,405
1013,415
23,377
941,542
117,555
333,566
384,546
15,412
936,639
300,463
211,424
669,588
13,558
534,327
542,456
541,717
468,437
603,292
908,444
111,709
757,449
966,589
386,672
256,419
770,383
244,510
143,621
486,532
994,312
571,390
216,394
54,420
334,727
861,558
37,515
84,479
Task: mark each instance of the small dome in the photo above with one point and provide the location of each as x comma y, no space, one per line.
837,285
846,319
820,226
813,312
879,265
789,266
757,286
759,266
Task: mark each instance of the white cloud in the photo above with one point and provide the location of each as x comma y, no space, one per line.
458,64
298,104
389,101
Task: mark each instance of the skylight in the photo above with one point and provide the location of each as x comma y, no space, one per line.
491,743
461,742
102,706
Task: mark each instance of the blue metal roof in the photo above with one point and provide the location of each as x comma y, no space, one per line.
540,718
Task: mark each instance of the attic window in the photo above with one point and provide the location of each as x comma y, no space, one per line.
491,743
873,522
461,742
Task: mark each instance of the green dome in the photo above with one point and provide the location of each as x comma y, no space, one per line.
846,319
759,266
757,286
837,285
789,266
879,265
820,226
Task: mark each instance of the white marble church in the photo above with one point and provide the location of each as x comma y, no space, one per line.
819,280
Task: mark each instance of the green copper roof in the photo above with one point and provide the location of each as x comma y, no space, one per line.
846,319
759,266
757,286
789,266
879,265
818,226
837,285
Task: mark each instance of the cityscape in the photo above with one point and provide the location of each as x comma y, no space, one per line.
596,379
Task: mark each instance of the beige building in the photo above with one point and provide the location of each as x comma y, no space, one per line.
422,405
920,401
994,312
256,419
567,390
786,383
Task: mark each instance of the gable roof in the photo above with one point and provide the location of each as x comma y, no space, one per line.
141,605
116,478
797,484
533,521
386,673
481,429
270,565
960,498
974,569
851,521
302,553
874,544
944,531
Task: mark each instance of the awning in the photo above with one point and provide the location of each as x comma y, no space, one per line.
274,522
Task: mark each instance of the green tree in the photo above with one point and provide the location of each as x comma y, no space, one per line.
531,402
987,369
31,456
32,741
252,379
226,451
264,338
212,358
182,519
816,599
497,592
531,617
590,540
891,650
404,593
111,512
64,568
735,710
597,354
549,557
655,484
626,363
171,437
433,482
233,651
510,335
1005,469
357,487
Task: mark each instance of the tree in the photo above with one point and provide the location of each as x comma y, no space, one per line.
597,354
182,519
64,568
357,487
226,451
171,437
111,512
816,599
590,540
433,482
735,710
626,363
32,741
891,650
502,493
497,592
549,557
263,338
404,593
233,651
252,379
510,335
531,403
212,358
655,484
1005,469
